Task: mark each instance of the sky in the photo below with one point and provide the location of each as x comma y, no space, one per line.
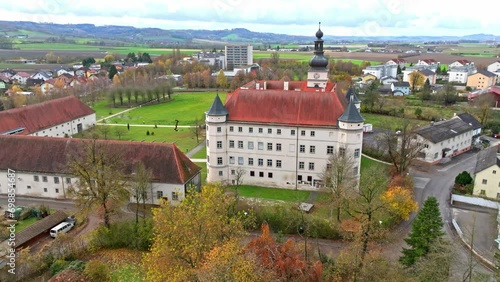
294,17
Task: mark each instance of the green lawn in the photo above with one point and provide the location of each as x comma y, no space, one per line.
367,163
25,223
128,273
203,172
102,109
383,121
272,193
201,154
301,56
185,107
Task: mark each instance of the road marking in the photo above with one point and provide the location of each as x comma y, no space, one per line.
420,182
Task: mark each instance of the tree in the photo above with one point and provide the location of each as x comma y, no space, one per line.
372,95
425,92
140,186
399,202
112,72
120,132
109,58
338,179
399,71
50,58
416,80
448,94
482,105
436,265
88,61
426,229
197,129
221,80
401,145
205,218
100,176
463,178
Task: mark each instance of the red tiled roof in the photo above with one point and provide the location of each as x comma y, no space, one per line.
305,107
463,62
43,115
495,90
430,61
50,155
23,74
398,60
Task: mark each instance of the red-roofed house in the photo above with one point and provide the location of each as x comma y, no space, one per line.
21,77
42,171
397,61
427,62
55,118
282,133
460,63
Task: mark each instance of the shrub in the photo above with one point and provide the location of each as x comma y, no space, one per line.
76,265
463,178
58,266
97,271
147,132
124,235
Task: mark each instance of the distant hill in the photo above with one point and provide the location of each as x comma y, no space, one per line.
240,35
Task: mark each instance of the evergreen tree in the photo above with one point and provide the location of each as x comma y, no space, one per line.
112,72
399,71
426,229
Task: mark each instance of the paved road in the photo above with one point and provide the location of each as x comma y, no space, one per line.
65,205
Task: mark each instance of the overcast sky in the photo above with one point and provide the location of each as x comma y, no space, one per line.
297,17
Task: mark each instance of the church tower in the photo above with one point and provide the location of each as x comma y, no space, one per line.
317,76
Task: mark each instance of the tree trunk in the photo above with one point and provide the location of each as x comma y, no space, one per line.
338,214
106,214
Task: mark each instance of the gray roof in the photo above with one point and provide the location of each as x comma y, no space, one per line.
443,130
401,84
351,113
487,158
352,92
39,227
468,118
486,73
217,108
427,72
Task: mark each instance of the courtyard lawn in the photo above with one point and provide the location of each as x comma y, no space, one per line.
201,154
383,121
272,193
184,107
367,163
21,225
102,109
203,172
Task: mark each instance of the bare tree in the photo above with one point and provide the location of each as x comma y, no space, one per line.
402,146
141,183
197,129
120,132
338,179
483,104
104,131
100,176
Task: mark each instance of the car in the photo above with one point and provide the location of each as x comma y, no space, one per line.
496,135
484,140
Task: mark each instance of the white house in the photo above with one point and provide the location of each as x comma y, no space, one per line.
400,88
62,70
472,121
461,73
444,139
427,63
398,62
382,70
388,80
20,77
460,63
54,118
41,166
282,133
495,68
486,174
44,75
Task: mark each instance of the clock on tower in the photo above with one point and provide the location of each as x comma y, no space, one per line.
316,75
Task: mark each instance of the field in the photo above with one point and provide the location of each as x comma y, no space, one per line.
305,56
272,193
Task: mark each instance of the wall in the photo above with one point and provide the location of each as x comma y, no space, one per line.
458,144
492,177
475,201
70,127
26,184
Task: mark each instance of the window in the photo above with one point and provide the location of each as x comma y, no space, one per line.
301,165
270,175
56,180
260,162
329,150
494,172
252,173
159,194
261,174
302,148
208,143
356,153
328,166
342,152
231,128
240,144
68,180
233,172
175,196
292,132
483,192
309,178
260,145
299,178
269,131
250,161
240,129
278,131
278,163
302,133
29,187
219,144
261,130
36,178
250,130
311,166
219,129
312,149
485,181
44,178
250,145
57,190
220,173
240,160
44,189
219,161
269,146
313,133
231,160
498,195
269,163
278,146
231,143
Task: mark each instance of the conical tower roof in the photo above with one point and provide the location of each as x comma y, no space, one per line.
351,113
352,92
217,108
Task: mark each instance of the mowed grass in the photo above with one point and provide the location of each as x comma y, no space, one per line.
304,57
129,272
272,193
21,225
382,121
184,107
184,139
203,172
201,154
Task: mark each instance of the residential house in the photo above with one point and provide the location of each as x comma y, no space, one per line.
388,80
494,68
398,62
267,128
20,77
237,56
487,173
211,58
83,71
460,63
481,79
44,75
3,86
58,71
47,86
31,82
423,71
381,70
400,88
95,67
472,121
368,78
428,63
8,73
444,139
460,74
54,118
42,170
77,66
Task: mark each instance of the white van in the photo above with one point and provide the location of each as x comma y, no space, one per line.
62,227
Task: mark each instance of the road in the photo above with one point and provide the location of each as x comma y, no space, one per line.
65,205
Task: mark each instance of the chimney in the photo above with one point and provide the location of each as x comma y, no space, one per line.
285,85
265,85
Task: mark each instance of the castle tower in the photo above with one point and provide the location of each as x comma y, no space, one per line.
217,161
356,101
351,132
317,76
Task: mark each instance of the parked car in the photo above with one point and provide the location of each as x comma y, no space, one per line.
496,135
